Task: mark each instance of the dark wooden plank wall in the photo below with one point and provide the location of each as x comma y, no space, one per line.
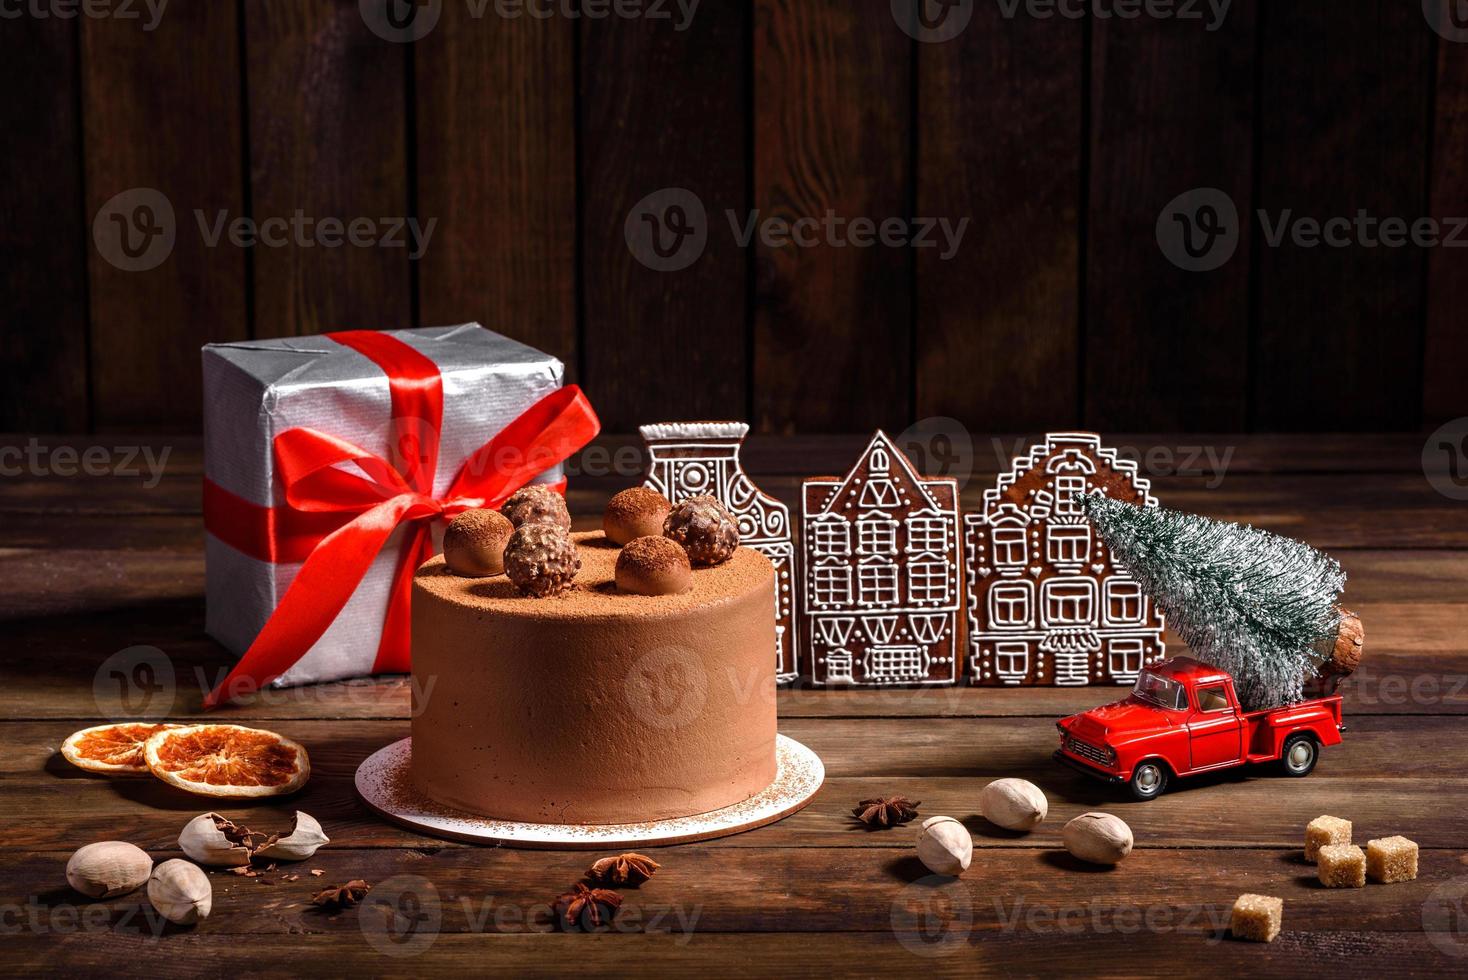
530,141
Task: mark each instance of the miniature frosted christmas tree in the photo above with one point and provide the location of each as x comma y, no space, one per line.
1260,606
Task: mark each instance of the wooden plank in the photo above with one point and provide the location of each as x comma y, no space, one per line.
43,235
1339,331
709,891
326,129
971,953
1171,112
870,748
1366,778
662,113
832,324
496,163
999,110
161,122
1445,346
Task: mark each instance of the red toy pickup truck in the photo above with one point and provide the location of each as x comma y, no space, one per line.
1183,718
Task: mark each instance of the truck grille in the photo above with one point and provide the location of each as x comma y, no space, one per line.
1086,751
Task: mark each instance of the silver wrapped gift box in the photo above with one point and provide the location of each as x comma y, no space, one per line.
255,390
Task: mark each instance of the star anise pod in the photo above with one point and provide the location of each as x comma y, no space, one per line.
342,896
586,908
624,869
885,811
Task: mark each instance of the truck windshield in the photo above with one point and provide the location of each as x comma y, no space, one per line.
1160,691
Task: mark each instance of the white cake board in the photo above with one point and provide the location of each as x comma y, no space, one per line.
382,782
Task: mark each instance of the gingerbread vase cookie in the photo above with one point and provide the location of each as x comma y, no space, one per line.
690,459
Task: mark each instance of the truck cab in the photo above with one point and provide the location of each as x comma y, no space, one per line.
1183,717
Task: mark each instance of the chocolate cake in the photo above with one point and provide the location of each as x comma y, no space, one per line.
594,706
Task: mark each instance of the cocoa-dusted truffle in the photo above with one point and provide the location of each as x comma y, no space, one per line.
541,560
474,544
704,528
654,566
537,504
635,513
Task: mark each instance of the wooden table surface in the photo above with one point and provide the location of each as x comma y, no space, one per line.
93,565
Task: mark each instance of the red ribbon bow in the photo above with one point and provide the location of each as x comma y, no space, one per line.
339,520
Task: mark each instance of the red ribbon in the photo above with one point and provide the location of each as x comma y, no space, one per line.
336,521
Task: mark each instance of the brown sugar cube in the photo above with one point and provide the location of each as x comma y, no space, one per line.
1325,830
1391,859
1341,866
1256,918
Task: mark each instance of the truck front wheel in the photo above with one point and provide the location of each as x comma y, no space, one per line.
1148,780
1299,755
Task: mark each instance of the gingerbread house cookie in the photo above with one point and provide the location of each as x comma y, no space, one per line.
881,575
1046,605
691,458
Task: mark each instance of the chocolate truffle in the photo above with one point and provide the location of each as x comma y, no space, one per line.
704,528
541,560
636,512
474,543
654,566
537,504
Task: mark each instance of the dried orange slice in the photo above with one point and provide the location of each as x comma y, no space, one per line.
115,749
227,760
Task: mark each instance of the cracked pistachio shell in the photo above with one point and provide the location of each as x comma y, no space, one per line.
303,840
204,842
181,893
1014,804
945,846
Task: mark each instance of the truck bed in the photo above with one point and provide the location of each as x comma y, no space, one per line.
1265,731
